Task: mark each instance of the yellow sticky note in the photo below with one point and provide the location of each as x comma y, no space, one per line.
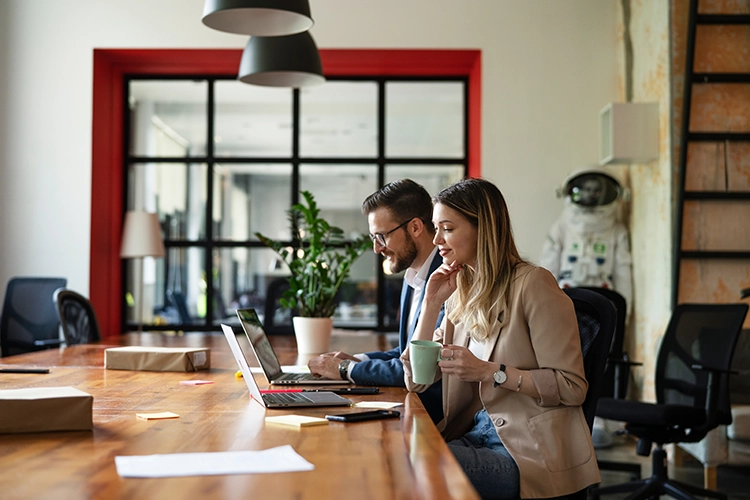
157,416
296,420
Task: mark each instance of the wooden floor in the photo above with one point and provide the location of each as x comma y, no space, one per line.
734,481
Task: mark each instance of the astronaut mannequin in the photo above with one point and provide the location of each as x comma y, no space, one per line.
587,246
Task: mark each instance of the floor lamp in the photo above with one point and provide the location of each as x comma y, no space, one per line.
141,237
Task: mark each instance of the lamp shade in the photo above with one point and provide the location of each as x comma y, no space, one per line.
258,17
281,61
141,236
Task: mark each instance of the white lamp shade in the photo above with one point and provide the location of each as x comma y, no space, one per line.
141,236
258,17
281,61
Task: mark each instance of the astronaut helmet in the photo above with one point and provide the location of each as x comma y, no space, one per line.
591,187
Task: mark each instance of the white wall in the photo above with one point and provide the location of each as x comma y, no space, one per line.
548,67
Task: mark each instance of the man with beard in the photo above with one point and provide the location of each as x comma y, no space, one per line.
399,217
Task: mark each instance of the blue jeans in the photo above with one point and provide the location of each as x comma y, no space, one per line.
486,462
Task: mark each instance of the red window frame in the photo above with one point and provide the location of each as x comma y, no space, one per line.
107,178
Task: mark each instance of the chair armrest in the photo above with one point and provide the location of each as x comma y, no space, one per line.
712,393
622,365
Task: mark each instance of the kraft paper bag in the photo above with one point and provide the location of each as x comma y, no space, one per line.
159,359
44,409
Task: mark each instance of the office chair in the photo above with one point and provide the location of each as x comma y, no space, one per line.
692,395
596,325
617,372
29,320
77,317
271,314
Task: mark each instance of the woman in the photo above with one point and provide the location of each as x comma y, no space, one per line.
512,368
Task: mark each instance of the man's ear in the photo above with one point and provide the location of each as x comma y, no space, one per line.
416,227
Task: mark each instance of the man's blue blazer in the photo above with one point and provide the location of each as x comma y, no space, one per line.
385,368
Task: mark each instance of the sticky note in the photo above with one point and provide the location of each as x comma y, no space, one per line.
157,416
296,420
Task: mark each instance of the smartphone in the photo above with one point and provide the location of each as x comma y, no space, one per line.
364,415
354,390
24,370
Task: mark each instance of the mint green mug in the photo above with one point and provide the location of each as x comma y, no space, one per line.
424,355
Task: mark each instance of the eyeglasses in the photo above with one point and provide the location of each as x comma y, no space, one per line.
380,238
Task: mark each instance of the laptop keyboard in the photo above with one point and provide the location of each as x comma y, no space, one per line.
286,398
297,376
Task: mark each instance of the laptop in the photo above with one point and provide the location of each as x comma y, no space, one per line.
267,358
277,399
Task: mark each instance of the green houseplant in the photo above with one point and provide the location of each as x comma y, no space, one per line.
319,263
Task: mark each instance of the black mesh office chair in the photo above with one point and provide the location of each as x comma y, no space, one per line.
596,325
617,373
77,317
29,320
692,394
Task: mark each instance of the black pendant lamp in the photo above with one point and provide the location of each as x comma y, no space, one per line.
281,61
258,17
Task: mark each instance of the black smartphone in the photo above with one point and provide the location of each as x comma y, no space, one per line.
364,415
24,370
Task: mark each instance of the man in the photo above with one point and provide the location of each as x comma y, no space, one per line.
399,217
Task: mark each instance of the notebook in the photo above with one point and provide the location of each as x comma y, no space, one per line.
279,399
267,358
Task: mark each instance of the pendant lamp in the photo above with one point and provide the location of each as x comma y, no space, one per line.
281,61
258,17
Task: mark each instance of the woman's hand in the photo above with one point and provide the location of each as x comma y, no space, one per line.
442,283
461,362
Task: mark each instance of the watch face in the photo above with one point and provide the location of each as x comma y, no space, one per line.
499,377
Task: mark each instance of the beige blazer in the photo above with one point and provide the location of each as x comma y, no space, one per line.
547,437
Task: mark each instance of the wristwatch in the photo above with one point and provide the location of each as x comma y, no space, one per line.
344,369
499,376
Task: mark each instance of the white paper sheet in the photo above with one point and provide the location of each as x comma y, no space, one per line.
279,459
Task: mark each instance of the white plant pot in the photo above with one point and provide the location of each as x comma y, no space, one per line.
313,334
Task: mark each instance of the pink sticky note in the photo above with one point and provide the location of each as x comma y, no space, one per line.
196,382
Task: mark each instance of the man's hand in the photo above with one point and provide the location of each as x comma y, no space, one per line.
325,365
341,355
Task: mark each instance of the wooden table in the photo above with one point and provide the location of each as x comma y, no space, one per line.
388,459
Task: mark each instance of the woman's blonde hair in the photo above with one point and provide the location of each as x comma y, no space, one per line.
482,293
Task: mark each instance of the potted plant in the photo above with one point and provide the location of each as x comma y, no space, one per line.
319,264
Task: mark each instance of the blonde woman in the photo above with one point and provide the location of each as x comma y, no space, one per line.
512,368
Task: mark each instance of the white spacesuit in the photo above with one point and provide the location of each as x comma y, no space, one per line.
587,246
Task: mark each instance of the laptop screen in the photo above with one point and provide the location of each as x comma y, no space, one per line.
267,359
242,362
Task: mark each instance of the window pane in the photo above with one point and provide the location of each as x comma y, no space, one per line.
339,119
176,191
169,118
241,279
424,119
339,191
174,288
252,120
250,199
358,297
432,177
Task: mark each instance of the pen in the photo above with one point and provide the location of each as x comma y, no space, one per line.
24,370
